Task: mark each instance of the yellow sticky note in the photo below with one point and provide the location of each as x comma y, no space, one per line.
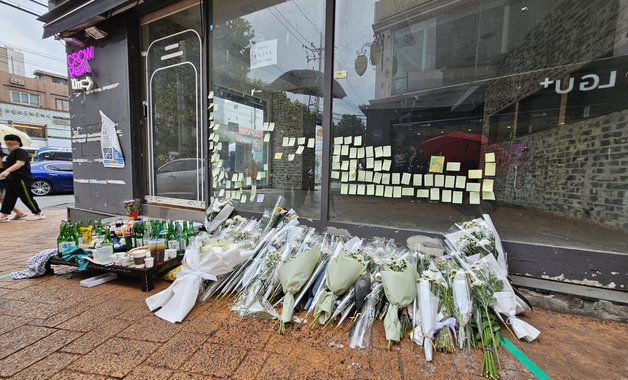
489,169
335,166
243,198
475,174
337,149
271,127
253,191
489,157
446,196
210,95
344,165
335,159
417,180
405,179
439,180
222,193
474,198
457,197
422,193
292,141
368,176
487,185
428,180
488,196
353,189
360,152
453,166
434,194
278,156
361,175
357,140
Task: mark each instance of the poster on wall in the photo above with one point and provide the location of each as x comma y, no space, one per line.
109,144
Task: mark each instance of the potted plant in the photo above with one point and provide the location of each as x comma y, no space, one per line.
132,207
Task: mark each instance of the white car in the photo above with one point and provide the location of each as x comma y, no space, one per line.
179,178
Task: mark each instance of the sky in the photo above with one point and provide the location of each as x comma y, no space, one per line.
22,31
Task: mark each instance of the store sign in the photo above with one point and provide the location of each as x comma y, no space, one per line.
588,82
82,84
78,62
19,82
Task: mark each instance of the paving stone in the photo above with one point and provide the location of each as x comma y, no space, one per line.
251,365
311,369
8,323
46,367
116,357
94,338
276,367
177,350
386,362
28,309
231,334
144,372
21,337
215,360
36,352
188,376
151,328
73,375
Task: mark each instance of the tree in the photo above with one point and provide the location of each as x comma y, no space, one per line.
231,54
350,125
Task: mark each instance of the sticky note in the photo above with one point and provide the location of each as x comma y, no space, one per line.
290,157
377,177
253,191
301,141
368,176
348,139
335,159
369,163
292,141
353,164
475,174
337,149
417,180
474,187
243,198
378,152
336,166
437,164
310,142
379,191
450,181
397,192
369,151
344,165
259,176
265,126
407,191
405,179
378,166
211,95
357,140
278,155
453,166
219,146
457,197
428,180
422,193
386,165
344,188
461,181
271,127
488,196
487,185
489,157
285,141
353,153
446,196
260,198
361,175
489,169
345,150
211,116
370,189
474,198
361,189
353,189
434,194
300,149
386,179
248,181
222,193
388,191
395,179
439,180
338,140
360,152
335,174
386,151
345,177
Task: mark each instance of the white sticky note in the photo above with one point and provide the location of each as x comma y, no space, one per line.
335,166
378,166
248,181
377,177
446,196
487,186
370,189
345,177
360,152
368,176
417,180
301,141
386,178
219,146
353,164
292,141
474,198
450,181
386,165
428,180
353,153
461,181
357,140
253,192
285,141
369,151
488,196
260,198
345,150
361,189
386,151
335,174
457,197
265,126
348,139
291,157
310,142
388,191
397,192
211,95
473,187
453,166
344,165
378,152
407,191
489,157
361,176
353,189
369,163
278,156
422,193
300,149
222,193
267,137
439,180
271,127
434,194
379,191
395,179
405,179
335,159
344,189
259,176
337,140
211,116
337,149
475,174
243,198
489,169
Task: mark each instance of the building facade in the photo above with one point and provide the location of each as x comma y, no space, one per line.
37,106
375,117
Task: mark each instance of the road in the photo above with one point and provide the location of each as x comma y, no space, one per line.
54,201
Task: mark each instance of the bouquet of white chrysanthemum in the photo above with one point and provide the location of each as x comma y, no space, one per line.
428,309
463,305
399,280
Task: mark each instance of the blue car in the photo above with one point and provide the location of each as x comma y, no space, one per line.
52,176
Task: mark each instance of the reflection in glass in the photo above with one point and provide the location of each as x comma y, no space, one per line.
447,84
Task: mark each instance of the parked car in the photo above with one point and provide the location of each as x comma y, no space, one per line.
178,178
53,154
52,176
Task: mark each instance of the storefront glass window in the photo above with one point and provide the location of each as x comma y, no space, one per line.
512,108
175,131
266,118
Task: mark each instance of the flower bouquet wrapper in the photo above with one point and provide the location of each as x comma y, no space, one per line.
177,300
428,307
506,304
400,290
341,274
293,275
462,303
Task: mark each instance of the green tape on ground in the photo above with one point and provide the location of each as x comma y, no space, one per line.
7,275
536,371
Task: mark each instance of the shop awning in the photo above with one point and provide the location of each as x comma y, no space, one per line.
76,15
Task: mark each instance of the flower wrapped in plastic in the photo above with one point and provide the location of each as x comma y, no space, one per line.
399,280
206,258
428,309
342,272
463,305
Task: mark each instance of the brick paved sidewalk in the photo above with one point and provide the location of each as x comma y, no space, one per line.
52,327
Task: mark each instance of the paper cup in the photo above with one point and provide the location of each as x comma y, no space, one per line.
170,254
140,266
148,262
